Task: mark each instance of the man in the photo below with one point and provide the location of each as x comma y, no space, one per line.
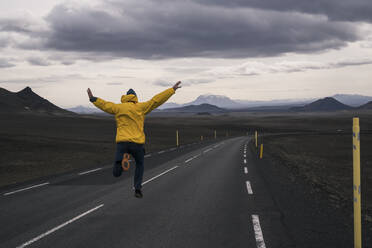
130,138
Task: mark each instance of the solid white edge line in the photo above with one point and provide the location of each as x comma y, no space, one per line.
245,170
89,171
249,188
59,227
161,152
258,232
31,187
174,167
148,155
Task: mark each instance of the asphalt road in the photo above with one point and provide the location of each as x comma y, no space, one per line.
205,195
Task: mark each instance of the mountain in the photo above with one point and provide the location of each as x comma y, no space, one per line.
227,103
202,108
168,105
84,110
26,101
352,100
368,105
216,100
324,104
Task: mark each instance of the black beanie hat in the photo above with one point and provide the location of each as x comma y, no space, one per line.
131,92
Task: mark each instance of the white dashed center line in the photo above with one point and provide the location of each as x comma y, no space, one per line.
160,175
245,161
258,232
148,155
58,227
245,170
208,150
249,188
89,171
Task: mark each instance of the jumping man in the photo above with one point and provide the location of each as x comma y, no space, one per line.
130,138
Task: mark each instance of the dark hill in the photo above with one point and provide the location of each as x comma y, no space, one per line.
325,104
26,101
368,105
202,108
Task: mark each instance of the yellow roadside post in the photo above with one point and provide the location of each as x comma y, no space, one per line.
256,137
177,139
201,138
356,184
261,151
215,134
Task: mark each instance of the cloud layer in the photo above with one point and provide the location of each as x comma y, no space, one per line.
161,29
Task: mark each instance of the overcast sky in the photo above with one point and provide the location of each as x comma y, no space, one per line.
244,49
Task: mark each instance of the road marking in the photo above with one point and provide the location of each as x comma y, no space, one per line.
59,227
148,155
249,188
89,171
31,187
245,155
188,160
208,150
160,175
245,170
161,152
258,232
245,161
194,157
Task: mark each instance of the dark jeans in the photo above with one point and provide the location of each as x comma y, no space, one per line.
138,153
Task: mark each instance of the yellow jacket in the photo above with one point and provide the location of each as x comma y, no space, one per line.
130,114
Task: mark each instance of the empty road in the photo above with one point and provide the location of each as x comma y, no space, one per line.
202,195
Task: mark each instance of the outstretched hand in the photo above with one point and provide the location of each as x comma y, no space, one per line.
90,95
177,85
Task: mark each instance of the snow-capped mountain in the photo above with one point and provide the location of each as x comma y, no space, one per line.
352,100
217,100
84,110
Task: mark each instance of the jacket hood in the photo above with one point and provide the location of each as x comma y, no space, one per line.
129,98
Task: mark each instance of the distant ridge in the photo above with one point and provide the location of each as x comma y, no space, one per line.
368,105
353,100
27,101
202,108
324,104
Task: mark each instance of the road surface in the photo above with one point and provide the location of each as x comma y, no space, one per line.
205,195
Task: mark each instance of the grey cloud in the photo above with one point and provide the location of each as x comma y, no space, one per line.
341,10
156,30
38,61
258,68
185,82
5,63
114,83
43,80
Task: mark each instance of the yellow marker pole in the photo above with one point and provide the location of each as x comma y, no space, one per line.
177,139
356,184
201,138
215,134
261,151
256,136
